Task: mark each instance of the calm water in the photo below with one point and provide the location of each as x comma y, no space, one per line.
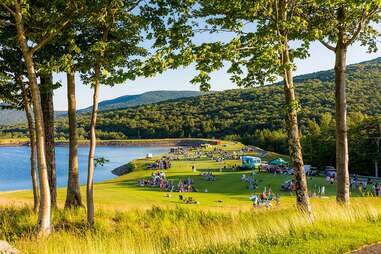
15,164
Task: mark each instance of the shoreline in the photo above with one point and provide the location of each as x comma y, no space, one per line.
128,142
121,143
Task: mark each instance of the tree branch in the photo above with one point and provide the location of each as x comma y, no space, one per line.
134,6
48,37
8,9
327,45
363,20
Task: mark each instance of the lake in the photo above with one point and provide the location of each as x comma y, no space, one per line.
15,164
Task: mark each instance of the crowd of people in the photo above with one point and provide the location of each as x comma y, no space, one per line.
365,186
216,154
158,179
186,185
250,180
163,163
208,176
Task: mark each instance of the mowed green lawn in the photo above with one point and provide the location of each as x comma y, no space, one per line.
132,219
227,192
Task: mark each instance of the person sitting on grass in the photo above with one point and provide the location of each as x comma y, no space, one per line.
263,196
255,200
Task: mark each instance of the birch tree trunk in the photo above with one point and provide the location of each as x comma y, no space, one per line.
46,90
44,213
90,173
73,196
32,138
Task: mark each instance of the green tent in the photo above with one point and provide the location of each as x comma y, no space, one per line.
278,161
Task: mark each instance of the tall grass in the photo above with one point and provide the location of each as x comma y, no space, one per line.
336,230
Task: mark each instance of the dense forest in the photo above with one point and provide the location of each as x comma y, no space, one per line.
11,116
254,116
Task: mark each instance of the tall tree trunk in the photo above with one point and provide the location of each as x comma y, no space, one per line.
93,121
44,213
341,115
73,197
32,138
46,90
295,148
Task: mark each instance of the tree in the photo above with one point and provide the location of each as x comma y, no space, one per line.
112,33
46,91
15,93
258,53
342,23
73,196
21,11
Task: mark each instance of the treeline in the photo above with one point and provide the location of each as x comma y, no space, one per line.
318,142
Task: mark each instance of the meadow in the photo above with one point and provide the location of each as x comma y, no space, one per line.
132,219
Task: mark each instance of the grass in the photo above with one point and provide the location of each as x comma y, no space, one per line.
182,230
131,219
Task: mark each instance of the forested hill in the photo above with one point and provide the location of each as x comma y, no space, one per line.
14,116
143,99
239,111
243,111
11,116
352,71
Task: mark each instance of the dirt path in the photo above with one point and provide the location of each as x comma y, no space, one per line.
371,249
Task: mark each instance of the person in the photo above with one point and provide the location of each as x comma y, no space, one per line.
292,187
378,190
322,191
255,200
360,189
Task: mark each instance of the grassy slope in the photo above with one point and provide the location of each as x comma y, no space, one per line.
238,228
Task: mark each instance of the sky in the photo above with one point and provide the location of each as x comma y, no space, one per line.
320,59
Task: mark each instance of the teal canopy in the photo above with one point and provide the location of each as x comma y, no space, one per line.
278,161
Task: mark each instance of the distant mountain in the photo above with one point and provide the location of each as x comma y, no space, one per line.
143,99
11,116
14,116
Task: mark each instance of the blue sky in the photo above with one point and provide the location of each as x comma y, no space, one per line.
320,59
